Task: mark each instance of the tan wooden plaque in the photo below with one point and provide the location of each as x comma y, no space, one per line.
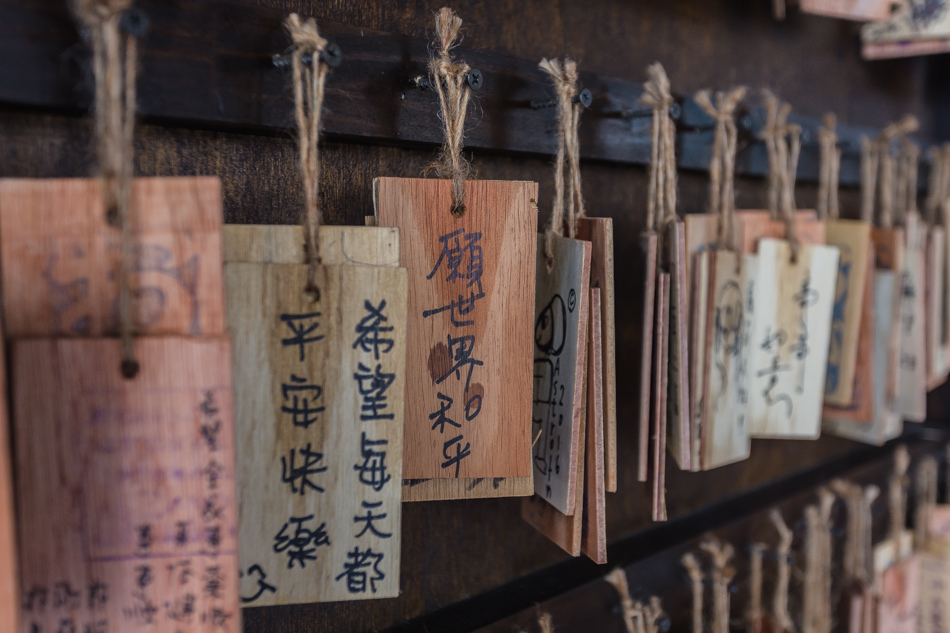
729,318
794,302
645,272
141,476
60,258
678,412
660,394
934,593
754,225
935,271
898,606
853,239
469,330
9,580
562,307
889,253
857,10
699,313
594,519
912,372
319,420
600,233
284,244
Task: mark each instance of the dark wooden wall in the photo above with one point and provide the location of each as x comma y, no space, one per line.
455,550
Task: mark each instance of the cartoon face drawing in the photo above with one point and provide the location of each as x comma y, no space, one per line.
550,330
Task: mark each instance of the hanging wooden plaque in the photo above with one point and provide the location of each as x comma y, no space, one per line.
594,520
9,586
794,302
912,376
469,330
889,250
678,411
730,302
320,443
852,239
645,273
898,605
936,343
857,10
699,313
60,258
562,306
934,589
600,233
660,394
144,536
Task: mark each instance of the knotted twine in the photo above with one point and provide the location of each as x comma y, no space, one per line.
754,613
722,574
696,584
817,584
115,64
888,167
926,494
722,199
829,168
897,497
783,144
309,79
567,164
783,622
870,159
661,196
450,81
637,617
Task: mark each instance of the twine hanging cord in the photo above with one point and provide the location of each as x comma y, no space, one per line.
829,169
112,26
661,198
449,80
568,200
783,143
309,80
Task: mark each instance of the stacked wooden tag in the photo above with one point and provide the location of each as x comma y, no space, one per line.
574,414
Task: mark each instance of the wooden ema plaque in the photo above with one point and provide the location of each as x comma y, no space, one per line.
600,233
60,258
661,346
857,10
562,307
594,520
897,584
725,437
936,341
9,589
319,444
645,272
757,224
794,302
141,476
853,240
912,367
889,250
678,417
469,327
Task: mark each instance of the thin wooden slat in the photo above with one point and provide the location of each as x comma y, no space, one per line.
600,233
936,345
701,232
794,302
852,239
9,582
889,254
471,297
436,489
660,394
60,258
726,429
594,519
857,10
678,411
561,313
912,372
284,244
645,271
141,476
319,418
699,313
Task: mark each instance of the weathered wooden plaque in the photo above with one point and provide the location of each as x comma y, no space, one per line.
898,605
678,412
562,306
699,312
912,376
853,239
645,273
660,394
934,590
936,342
701,232
9,580
141,476
600,233
754,225
469,330
794,302
857,10
729,319
60,258
594,519
319,439
889,251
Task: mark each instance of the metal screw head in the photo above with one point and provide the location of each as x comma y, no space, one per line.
585,98
676,111
331,55
134,21
474,79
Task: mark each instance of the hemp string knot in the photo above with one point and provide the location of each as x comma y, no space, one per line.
449,79
309,80
571,202
661,197
829,169
783,144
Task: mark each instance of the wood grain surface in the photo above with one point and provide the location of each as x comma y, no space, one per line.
644,271
471,299
594,520
678,407
912,363
60,257
661,346
9,579
141,474
284,244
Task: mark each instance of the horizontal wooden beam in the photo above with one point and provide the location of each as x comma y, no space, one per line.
209,64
